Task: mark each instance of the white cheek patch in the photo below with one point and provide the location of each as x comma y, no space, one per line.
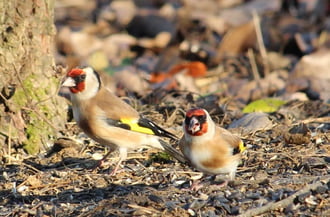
90,91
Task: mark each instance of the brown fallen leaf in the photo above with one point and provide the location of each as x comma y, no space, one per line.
312,72
236,41
298,134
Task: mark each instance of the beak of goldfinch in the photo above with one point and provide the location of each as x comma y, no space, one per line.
194,125
69,82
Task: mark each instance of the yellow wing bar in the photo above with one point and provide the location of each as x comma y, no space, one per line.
134,126
242,146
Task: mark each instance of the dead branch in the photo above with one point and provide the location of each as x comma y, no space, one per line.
261,44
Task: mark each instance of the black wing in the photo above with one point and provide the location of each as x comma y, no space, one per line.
143,122
143,125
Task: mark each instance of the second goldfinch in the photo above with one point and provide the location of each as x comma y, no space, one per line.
208,147
109,120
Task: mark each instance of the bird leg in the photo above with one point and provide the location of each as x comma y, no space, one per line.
115,170
224,180
198,184
122,157
99,163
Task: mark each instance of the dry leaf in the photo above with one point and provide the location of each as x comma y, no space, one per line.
252,122
312,71
129,79
243,13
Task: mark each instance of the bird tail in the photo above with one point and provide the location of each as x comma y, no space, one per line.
172,151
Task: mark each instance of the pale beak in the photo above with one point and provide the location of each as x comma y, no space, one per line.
69,82
194,125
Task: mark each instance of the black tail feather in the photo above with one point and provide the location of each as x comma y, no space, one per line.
173,152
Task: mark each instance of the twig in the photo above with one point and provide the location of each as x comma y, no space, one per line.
51,185
274,153
32,168
145,168
285,202
254,65
9,140
319,120
143,209
260,41
189,172
41,116
171,118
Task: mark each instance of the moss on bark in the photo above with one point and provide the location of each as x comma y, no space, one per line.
32,113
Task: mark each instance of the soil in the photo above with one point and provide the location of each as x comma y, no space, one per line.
275,178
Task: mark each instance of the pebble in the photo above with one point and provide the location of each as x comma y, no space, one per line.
220,199
97,156
280,194
226,207
235,196
209,213
272,171
170,205
197,204
155,198
311,200
245,200
234,210
321,189
191,212
253,196
301,198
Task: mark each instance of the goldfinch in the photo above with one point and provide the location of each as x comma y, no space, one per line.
109,120
208,147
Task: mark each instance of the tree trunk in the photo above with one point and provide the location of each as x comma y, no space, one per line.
31,113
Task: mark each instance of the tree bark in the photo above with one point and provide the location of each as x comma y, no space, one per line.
31,113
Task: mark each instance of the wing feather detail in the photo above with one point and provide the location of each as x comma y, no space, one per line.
141,125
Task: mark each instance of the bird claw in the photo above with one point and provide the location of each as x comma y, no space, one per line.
100,162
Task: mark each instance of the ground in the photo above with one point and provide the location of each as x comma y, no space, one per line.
274,178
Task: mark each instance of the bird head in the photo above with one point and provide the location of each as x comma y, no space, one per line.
196,122
81,81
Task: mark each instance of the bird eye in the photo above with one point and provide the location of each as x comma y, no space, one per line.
201,119
82,77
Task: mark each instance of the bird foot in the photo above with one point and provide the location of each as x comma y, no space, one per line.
195,186
97,165
100,162
223,184
115,170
